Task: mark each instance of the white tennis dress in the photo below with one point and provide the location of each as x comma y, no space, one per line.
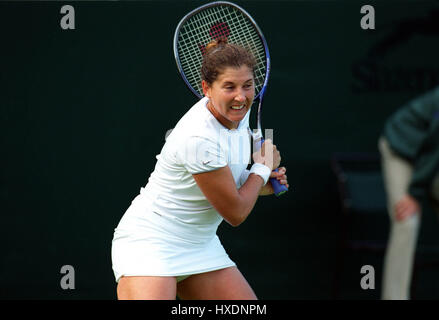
170,227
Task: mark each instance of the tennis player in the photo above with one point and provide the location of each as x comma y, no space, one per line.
166,244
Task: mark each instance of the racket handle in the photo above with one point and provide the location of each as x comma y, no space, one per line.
278,188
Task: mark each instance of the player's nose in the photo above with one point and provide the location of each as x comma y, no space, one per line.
240,97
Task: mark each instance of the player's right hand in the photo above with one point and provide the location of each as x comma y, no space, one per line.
267,155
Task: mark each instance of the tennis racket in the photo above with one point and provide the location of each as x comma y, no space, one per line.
215,20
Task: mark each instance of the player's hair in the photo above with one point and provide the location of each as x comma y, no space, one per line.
219,54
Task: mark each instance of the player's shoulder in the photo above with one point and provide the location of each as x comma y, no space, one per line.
197,121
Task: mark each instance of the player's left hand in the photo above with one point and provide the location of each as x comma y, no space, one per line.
280,176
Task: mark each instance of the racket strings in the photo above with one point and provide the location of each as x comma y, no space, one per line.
211,24
219,30
190,54
250,36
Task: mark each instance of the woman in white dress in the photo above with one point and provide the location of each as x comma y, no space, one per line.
166,244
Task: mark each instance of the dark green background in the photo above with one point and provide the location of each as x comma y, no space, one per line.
85,111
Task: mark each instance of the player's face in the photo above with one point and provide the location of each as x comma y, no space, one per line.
231,95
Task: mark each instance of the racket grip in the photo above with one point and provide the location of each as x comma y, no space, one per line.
278,188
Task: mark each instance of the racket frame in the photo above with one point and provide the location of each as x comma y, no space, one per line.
253,22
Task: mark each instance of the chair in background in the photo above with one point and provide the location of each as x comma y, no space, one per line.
364,222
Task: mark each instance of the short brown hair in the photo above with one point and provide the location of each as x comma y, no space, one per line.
219,55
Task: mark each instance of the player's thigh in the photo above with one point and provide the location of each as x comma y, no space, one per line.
146,288
224,284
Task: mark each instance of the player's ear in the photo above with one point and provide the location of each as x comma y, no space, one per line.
206,88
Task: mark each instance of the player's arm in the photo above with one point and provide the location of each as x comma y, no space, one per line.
219,187
279,176
233,204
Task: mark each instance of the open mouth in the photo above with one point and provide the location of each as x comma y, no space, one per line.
238,107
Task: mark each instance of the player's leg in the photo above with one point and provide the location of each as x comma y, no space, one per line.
403,236
224,284
147,288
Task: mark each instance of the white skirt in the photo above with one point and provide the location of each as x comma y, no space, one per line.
148,244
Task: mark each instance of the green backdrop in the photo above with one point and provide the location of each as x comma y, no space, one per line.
84,112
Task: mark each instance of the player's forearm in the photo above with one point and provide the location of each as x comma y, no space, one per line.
247,197
264,191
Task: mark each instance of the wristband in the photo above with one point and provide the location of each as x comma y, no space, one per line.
261,170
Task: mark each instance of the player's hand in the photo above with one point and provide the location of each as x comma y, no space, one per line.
406,207
267,155
280,176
